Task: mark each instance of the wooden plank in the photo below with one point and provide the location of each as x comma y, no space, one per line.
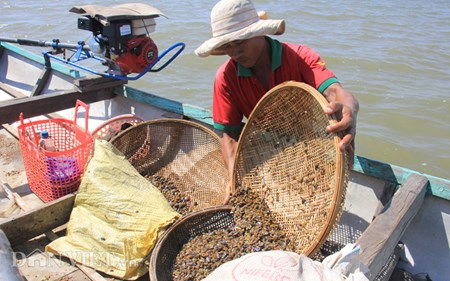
37,265
95,82
91,273
381,237
16,94
35,222
386,197
40,83
14,196
388,268
52,102
13,130
11,91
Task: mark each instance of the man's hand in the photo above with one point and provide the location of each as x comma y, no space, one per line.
227,194
228,143
345,107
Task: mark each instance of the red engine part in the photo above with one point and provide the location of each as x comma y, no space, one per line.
141,52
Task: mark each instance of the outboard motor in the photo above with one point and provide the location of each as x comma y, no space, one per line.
121,35
120,40
126,42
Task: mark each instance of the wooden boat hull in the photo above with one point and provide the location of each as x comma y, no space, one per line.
385,204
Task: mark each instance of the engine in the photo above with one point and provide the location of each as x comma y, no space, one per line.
125,44
141,52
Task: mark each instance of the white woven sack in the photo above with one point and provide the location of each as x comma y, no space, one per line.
273,265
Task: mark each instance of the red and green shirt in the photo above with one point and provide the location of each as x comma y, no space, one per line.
237,91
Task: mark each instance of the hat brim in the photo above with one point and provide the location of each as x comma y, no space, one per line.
259,28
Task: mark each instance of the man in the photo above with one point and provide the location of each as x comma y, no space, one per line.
258,63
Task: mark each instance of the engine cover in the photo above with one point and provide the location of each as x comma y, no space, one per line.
141,52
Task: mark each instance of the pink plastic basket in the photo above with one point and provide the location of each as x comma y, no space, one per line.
52,175
113,126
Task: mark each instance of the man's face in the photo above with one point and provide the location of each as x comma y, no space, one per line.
245,52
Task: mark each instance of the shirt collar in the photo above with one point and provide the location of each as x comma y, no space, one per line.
276,58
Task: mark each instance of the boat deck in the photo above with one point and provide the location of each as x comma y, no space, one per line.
35,264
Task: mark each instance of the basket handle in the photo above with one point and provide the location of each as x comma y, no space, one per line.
24,131
86,114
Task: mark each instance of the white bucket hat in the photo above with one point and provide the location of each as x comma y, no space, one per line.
236,20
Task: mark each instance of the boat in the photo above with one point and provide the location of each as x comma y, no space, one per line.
399,217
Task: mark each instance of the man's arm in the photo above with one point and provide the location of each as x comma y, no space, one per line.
228,143
346,107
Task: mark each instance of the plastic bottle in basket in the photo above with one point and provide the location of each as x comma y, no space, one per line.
46,142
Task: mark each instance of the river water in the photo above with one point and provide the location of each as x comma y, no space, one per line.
392,55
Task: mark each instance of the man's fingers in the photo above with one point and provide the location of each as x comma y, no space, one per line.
227,194
351,154
341,125
346,142
226,200
343,120
333,107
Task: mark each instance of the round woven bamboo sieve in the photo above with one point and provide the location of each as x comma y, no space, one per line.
285,154
186,153
173,239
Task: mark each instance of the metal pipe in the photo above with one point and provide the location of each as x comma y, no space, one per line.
42,43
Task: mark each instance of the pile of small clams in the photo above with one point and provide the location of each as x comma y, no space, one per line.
177,200
254,230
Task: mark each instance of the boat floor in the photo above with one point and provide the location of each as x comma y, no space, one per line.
36,264
32,260
13,172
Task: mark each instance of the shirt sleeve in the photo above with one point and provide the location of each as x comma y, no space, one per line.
317,74
226,113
